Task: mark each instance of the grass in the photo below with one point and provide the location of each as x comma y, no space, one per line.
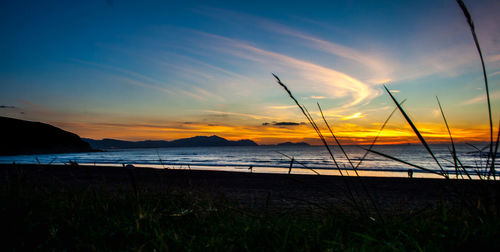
39,217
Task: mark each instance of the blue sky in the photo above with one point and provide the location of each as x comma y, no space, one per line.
163,70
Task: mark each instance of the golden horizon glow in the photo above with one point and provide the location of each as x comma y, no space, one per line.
348,134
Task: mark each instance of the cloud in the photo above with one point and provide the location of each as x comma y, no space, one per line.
318,97
286,124
283,107
494,74
375,64
227,113
141,80
482,98
353,116
146,85
494,58
283,123
7,107
322,79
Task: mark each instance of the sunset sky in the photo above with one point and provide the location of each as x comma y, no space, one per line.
137,70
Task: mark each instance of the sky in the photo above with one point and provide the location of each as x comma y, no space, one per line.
137,70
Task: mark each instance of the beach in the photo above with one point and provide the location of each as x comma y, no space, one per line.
75,207
258,190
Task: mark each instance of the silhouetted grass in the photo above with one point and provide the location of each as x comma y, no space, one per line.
36,217
470,22
483,205
483,172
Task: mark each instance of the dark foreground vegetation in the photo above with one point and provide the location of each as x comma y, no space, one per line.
105,208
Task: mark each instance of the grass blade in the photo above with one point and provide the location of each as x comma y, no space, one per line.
337,141
378,134
311,121
407,163
453,149
300,163
476,41
417,132
323,140
492,169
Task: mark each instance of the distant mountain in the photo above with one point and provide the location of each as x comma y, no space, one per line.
25,137
293,144
197,141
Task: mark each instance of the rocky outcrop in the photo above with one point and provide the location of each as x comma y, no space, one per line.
25,137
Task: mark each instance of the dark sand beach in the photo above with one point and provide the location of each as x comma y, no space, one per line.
257,190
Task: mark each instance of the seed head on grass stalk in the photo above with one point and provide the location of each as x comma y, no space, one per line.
470,22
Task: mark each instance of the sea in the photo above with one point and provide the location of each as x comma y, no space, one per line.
311,160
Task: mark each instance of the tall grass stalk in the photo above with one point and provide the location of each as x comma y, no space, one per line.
470,22
304,110
325,143
417,132
378,135
337,141
311,121
492,153
298,162
367,192
453,150
495,153
404,162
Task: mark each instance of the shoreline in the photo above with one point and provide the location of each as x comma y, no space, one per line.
296,170
257,190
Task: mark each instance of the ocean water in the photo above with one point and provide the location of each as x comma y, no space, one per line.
273,159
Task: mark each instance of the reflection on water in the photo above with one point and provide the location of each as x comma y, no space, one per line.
268,159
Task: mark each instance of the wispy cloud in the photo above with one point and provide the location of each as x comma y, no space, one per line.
482,98
253,116
141,80
375,63
283,107
494,58
146,85
494,74
353,116
284,123
381,63
320,78
318,97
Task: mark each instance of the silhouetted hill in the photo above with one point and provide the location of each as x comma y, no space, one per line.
197,141
25,137
293,144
